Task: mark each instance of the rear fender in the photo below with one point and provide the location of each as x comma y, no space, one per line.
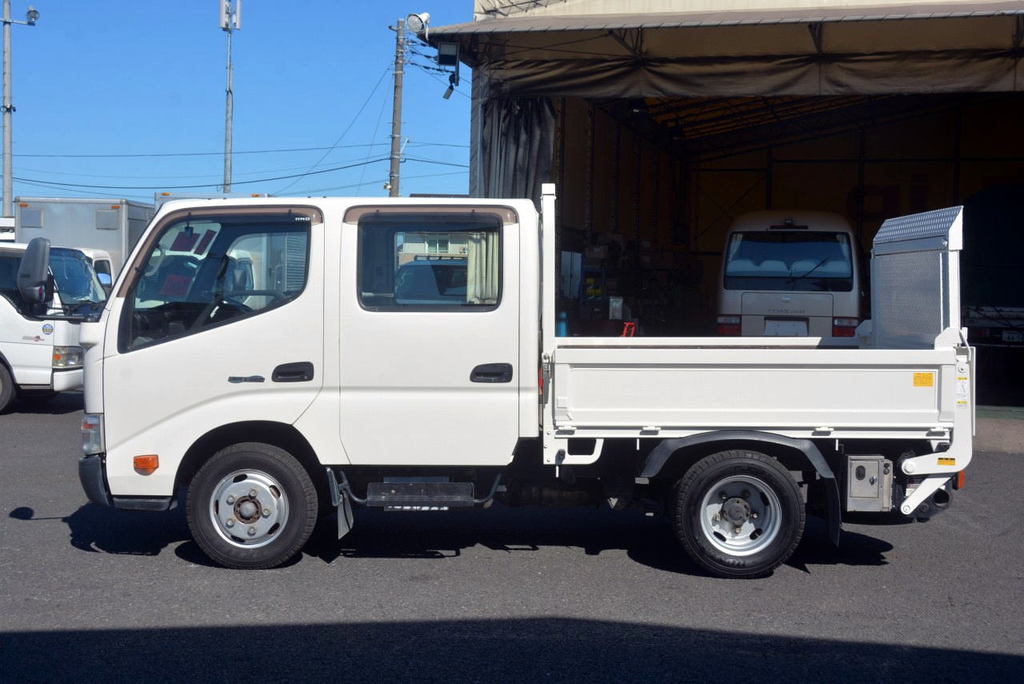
655,461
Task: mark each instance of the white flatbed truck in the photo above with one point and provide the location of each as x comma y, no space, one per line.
325,376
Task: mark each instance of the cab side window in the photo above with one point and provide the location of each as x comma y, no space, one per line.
9,280
429,263
202,273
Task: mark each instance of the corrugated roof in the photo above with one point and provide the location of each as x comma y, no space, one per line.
525,24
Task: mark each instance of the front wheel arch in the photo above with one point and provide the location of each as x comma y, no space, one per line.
280,435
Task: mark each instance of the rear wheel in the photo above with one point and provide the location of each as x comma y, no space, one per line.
6,388
251,506
738,514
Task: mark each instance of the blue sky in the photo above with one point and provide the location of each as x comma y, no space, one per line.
147,78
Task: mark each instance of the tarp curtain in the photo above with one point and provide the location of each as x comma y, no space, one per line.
760,76
517,144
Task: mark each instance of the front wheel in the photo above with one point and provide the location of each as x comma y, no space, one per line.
7,392
251,506
738,514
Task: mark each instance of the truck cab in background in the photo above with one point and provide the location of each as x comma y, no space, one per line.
39,346
790,274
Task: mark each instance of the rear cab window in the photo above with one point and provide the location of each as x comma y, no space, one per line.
429,262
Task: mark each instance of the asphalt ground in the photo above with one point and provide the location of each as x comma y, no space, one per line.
89,593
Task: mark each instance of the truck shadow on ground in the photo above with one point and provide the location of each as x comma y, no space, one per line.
482,650
441,536
62,404
648,541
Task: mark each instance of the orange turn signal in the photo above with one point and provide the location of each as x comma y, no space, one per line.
959,481
146,465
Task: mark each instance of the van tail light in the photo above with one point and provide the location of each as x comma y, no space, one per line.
728,325
844,327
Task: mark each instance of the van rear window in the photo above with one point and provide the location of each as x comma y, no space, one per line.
789,260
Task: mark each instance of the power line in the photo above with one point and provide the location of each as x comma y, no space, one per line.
221,153
196,185
344,132
61,184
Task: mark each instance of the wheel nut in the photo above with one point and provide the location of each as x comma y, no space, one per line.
266,512
722,496
230,500
716,518
754,516
252,493
230,523
252,531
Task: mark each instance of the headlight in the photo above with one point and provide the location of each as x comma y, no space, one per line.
92,433
67,357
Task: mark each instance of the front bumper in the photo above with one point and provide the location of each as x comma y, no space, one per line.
67,379
92,475
94,482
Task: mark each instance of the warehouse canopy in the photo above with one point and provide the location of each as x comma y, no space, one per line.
896,48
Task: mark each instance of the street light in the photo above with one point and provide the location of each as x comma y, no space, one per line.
31,17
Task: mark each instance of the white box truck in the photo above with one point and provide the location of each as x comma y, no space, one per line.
110,225
331,374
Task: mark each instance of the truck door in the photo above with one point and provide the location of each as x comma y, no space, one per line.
202,343
430,335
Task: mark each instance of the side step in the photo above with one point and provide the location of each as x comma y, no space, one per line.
420,496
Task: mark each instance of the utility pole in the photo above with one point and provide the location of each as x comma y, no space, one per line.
396,116
230,21
32,16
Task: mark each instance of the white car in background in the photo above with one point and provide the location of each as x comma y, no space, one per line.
790,274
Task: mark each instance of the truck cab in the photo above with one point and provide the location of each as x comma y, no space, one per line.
39,349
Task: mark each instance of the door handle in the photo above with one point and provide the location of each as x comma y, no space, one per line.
492,372
301,371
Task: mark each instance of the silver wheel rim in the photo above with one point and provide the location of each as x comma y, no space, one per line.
248,508
740,515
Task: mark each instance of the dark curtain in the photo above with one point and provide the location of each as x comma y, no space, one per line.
517,144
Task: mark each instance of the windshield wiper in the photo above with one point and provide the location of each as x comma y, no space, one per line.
793,279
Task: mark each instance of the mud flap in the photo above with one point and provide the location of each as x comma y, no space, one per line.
340,500
833,510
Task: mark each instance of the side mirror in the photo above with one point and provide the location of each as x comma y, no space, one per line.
33,272
106,282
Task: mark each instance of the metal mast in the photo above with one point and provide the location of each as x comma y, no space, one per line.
230,21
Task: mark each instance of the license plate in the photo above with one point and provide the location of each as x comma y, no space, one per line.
1013,336
777,328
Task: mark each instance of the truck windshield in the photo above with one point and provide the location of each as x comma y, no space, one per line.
76,280
789,260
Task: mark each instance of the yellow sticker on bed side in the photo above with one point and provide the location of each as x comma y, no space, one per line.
924,379
947,461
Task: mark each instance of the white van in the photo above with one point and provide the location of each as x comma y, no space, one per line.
39,350
790,274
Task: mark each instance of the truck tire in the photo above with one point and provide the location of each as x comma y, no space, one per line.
251,506
7,392
738,514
